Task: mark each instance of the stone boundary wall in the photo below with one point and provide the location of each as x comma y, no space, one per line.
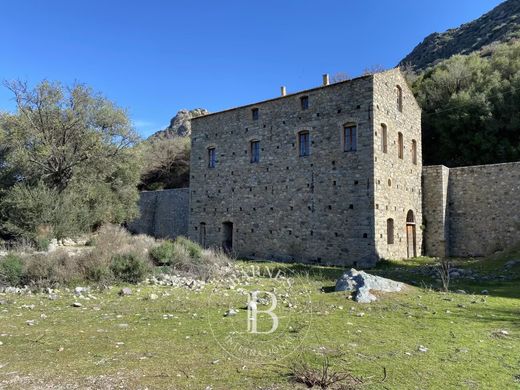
163,214
478,211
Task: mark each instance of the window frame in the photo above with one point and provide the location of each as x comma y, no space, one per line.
255,114
390,236
384,138
350,142
400,145
414,152
304,102
212,157
399,98
254,151
307,136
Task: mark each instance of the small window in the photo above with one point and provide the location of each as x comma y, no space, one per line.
384,138
255,151
304,101
212,158
389,231
254,114
400,145
399,99
414,152
350,138
304,140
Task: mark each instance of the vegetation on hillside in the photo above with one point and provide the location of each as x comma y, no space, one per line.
67,164
471,108
501,24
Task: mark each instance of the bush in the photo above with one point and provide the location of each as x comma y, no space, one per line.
164,253
52,269
129,268
194,249
11,270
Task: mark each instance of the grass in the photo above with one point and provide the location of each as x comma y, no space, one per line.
173,341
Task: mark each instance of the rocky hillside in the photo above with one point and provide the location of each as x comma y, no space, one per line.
501,24
180,124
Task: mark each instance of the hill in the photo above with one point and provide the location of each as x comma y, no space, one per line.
501,24
180,124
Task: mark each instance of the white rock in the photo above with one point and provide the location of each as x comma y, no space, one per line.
422,348
361,283
230,313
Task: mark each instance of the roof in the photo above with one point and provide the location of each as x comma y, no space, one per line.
286,96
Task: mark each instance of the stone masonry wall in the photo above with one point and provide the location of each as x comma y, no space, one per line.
317,208
435,209
471,211
164,214
484,208
397,180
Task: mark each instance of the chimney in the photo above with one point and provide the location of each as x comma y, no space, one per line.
326,79
283,90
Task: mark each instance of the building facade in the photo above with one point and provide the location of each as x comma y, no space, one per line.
329,175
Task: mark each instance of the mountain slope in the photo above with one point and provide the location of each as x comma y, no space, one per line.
180,124
501,24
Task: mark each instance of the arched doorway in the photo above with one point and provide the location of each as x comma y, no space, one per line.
227,237
411,250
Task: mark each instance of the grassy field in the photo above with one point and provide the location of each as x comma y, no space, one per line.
176,340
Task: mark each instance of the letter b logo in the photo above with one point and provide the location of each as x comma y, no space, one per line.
252,312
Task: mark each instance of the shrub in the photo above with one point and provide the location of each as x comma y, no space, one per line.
194,249
11,270
129,268
52,269
163,253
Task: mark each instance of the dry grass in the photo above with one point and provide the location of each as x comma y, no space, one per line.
324,378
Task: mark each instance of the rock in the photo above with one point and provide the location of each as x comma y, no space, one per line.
360,283
125,291
180,124
153,297
460,291
230,313
81,290
77,304
511,263
3,302
422,348
53,297
484,292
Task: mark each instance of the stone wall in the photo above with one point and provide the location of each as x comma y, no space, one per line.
397,180
164,214
319,208
482,209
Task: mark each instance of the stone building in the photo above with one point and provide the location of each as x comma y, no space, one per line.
328,175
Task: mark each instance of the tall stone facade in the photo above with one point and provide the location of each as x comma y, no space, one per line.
331,206
471,211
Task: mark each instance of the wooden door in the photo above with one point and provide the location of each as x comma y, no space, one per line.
410,240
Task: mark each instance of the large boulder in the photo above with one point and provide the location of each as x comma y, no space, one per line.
361,284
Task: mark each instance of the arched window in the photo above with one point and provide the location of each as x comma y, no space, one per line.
409,217
399,98
389,231
400,145
350,137
414,152
384,138
304,140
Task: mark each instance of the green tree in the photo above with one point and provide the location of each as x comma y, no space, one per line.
67,163
471,108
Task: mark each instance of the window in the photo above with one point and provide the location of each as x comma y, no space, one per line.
350,138
254,114
202,234
414,152
255,151
400,145
389,231
304,139
384,138
399,99
304,101
212,158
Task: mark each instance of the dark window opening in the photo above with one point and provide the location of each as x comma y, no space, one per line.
255,151
212,158
304,101
254,114
350,138
304,143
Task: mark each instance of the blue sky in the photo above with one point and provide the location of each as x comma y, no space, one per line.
155,57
